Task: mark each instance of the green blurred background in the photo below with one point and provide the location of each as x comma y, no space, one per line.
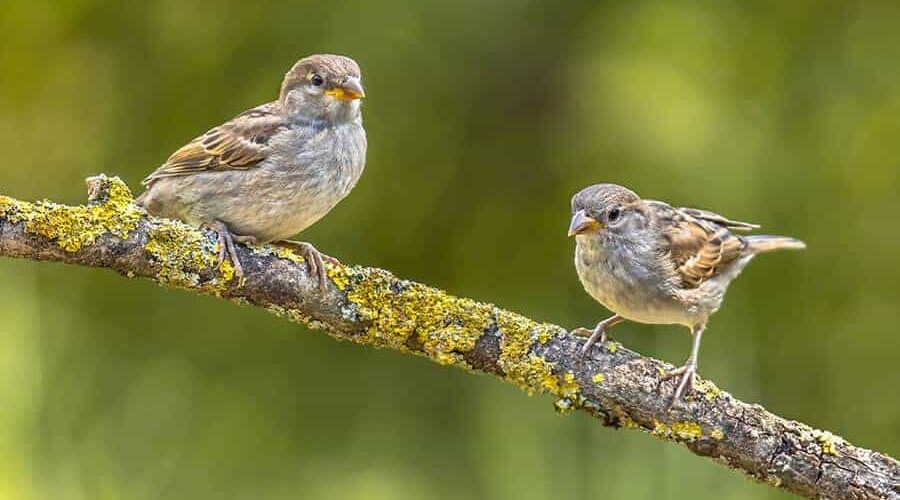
483,119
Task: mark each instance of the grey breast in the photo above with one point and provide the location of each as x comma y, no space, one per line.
313,170
626,279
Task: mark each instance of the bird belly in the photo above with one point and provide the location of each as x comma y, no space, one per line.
275,202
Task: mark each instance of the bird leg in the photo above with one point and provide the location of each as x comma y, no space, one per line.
598,333
226,245
315,260
688,372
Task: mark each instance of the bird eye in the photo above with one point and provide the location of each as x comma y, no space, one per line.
317,80
613,215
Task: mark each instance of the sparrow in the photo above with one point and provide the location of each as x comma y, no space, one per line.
273,170
649,262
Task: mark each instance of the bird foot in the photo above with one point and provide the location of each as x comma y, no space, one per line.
582,332
315,260
598,334
227,242
688,374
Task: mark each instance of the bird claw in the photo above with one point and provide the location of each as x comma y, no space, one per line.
688,374
227,249
596,335
315,261
223,248
329,259
582,332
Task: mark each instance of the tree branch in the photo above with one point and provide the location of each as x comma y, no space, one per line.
371,306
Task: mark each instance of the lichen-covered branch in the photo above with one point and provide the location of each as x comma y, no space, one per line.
371,306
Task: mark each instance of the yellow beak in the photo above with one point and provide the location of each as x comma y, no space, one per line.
350,90
581,223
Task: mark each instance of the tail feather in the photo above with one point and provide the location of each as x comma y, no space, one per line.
763,243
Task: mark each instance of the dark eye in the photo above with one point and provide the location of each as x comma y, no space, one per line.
317,80
613,215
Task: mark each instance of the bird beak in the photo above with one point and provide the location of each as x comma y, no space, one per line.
581,223
350,90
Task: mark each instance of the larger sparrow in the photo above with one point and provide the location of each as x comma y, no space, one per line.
652,263
273,170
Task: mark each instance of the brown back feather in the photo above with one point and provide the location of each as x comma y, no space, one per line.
700,243
238,144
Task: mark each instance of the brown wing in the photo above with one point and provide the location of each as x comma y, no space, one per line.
238,144
699,243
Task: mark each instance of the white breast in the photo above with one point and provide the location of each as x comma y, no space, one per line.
628,284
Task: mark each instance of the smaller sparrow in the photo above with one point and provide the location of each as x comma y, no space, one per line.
652,263
274,170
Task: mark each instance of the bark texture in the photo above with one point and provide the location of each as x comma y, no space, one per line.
371,306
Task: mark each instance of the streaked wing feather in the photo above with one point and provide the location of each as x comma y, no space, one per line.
238,144
718,219
698,246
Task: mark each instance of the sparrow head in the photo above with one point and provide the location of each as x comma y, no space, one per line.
323,86
603,207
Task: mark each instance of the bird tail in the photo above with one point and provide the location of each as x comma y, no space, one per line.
763,243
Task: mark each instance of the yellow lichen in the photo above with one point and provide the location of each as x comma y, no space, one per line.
598,378
660,429
709,390
182,253
564,406
827,441
338,276
612,346
717,434
278,250
73,227
409,316
569,387
687,430
682,431
568,390
226,270
289,314
7,205
446,346
544,335
286,254
402,312
532,373
626,422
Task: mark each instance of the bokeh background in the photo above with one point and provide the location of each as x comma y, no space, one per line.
483,119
